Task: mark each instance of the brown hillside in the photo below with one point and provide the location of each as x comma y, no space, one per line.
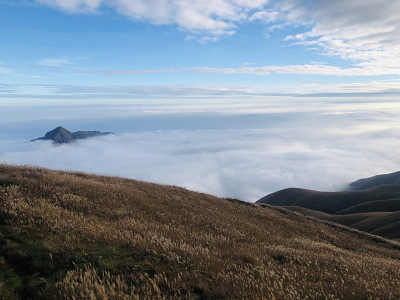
66,235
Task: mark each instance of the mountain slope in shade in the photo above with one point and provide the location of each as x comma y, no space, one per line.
61,135
367,183
373,204
390,205
330,202
385,224
72,235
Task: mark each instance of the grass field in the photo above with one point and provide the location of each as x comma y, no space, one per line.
71,235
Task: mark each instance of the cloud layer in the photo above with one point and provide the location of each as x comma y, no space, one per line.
75,93
229,149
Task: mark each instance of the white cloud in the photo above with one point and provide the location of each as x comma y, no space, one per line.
265,16
210,17
5,70
364,32
364,69
74,6
235,163
77,94
132,72
58,62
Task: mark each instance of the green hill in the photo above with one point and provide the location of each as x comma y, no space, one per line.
71,235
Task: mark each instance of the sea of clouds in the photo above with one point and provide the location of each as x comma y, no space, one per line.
226,148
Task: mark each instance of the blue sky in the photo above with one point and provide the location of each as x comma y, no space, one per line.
213,95
268,45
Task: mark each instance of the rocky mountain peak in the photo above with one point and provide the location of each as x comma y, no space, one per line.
60,135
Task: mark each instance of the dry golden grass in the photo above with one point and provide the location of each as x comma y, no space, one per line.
71,235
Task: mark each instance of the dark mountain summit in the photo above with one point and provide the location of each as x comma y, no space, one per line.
61,135
367,183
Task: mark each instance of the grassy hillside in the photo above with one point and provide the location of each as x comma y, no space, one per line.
330,202
68,235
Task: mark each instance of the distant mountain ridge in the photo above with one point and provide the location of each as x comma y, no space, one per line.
367,183
330,202
370,204
60,135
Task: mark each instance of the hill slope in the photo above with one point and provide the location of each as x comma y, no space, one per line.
375,210
330,202
386,224
367,183
390,205
66,234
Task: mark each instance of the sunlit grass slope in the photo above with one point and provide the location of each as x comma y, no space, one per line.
66,235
